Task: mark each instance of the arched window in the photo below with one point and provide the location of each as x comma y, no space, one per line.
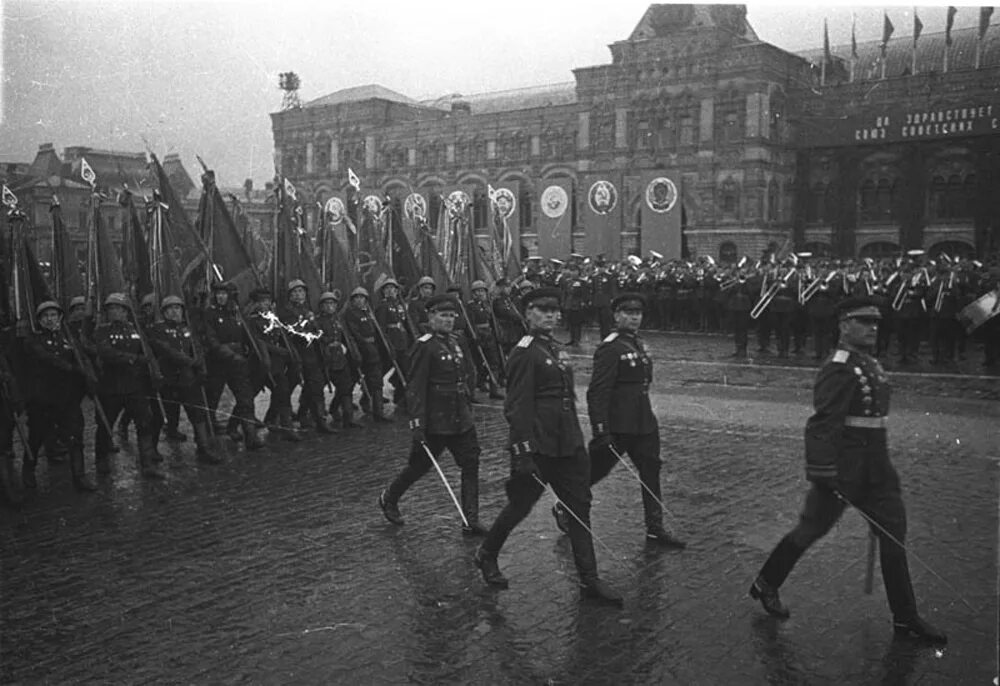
727,253
879,250
816,207
937,201
480,207
952,249
773,210
868,208
884,193
434,205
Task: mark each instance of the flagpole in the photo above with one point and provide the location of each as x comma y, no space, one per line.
916,34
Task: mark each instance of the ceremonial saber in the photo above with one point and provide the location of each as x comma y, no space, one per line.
646,488
870,565
882,530
423,444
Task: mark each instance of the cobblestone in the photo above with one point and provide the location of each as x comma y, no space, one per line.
278,567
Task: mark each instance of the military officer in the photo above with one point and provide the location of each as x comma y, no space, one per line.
229,349
574,303
604,288
847,461
621,416
440,414
336,356
55,388
546,446
359,326
182,363
739,304
125,383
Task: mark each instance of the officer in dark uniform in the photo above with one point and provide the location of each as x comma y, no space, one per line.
125,383
508,318
781,310
604,288
418,306
229,349
299,318
359,326
56,386
182,363
480,312
335,355
392,316
820,308
546,446
440,414
621,416
274,368
847,458
574,303
738,305
909,317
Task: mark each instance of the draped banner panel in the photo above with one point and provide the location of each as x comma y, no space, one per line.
601,205
660,193
510,238
555,227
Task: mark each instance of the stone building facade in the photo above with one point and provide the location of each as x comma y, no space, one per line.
760,142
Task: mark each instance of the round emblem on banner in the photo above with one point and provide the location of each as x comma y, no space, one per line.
602,197
372,203
458,202
554,202
335,210
661,194
505,202
415,206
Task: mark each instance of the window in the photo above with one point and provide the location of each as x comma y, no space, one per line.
480,206
687,130
952,198
434,206
727,253
773,210
816,206
730,201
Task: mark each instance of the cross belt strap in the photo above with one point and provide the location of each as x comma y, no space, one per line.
867,422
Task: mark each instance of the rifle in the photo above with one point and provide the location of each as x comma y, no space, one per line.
475,342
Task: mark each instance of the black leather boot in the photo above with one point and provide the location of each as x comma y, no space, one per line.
561,516
147,466
8,489
285,430
487,563
659,536
80,480
348,411
251,438
918,629
28,479
592,587
390,509
768,597
470,503
203,441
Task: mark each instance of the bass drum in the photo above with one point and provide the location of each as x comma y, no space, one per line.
977,313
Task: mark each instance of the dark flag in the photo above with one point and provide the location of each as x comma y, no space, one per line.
431,263
106,268
918,26
854,39
887,30
230,260
164,270
984,20
339,272
952,11
186,246
135,252
67,281
404,263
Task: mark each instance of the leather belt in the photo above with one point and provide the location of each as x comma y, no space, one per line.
867,422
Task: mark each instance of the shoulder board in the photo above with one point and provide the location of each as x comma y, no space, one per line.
841,356
426,337
611,337
525,342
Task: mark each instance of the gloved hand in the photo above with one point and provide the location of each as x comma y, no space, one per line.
524,465
418,434
602,441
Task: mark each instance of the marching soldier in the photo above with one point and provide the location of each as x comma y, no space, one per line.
621,415
481,318
125,384
336,356
298,317
440,415
56,388
182,364
847,461
546,446
229,347
11,405
392,316
418,306
274,367
359,326
509,320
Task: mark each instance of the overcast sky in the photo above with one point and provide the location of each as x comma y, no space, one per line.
201,77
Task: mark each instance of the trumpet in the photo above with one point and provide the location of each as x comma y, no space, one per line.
768,296
897,302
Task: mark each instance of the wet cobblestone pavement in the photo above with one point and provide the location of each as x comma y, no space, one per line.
278,567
